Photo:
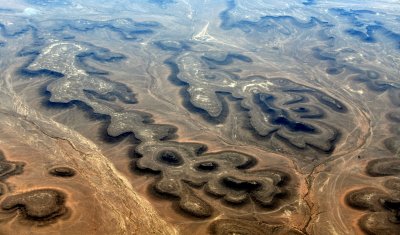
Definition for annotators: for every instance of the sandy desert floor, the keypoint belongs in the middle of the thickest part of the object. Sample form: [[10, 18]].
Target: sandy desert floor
[[199, 117]]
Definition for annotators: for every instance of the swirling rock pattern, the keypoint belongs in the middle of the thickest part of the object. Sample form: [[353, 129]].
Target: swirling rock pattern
[[42, 205], [96, 92], [182, 165], [277, 107], [274, 76], [311, 82], [376, 83], [38, 205], [235, 16], [383, 208], [223, 174], [126, 28], [383, 205], [13, 30], [364, 30]]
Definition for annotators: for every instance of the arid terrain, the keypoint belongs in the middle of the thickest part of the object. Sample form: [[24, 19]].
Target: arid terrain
[[199, 117]]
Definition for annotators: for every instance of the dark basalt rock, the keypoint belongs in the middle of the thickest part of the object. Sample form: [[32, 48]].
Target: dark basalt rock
[[378, 224], [226, 175], [223, 174], [393, 184], [126, 28], [62, 172], [366, 199], [169, 45], [276, 107], [37, 205], [384, 167], [8, 168], [237, 184], [194, 205], [170, 158], [392, 205], [264, 23], [383, 208], [364, 30], [207, 166], [375, 83]]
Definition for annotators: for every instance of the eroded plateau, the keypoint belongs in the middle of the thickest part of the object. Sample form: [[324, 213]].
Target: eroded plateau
[[200, 117]]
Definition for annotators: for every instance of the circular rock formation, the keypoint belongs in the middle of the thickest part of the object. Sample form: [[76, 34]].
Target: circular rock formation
[[62, 172], [278, 110], [224, 175], [43, 205], [170, 158]]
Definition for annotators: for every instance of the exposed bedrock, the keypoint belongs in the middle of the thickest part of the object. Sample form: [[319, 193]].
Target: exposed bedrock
[[126, 28], [226, 175], [367, 31], [299, 115], [382, 207], [182, 166], [379, 84], [384, 167], [246, 227], [62, 171], [97, 92], [378, 224], [8, 168], [304, 116], [42, 205]]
